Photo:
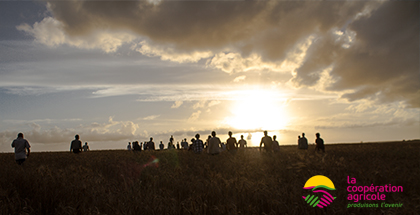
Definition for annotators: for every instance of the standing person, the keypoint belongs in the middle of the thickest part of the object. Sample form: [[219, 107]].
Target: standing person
[[86, 147], [177, 145], [231, 143], [214, 144], [303, 142], [197, 145], [129, 146], [267, 141], [242, 143], [22, 149], [144, 145], [136, 146], [184, 144], [161, 145], [299, 142], [319, 143], [151, 144], [76, 144], [276, 145]]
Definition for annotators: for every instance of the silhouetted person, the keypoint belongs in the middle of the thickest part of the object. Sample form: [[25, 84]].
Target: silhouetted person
[[151, 144], [214, 144], [184, 144], [319, 143], [171, 139], [242, 143], [86, 147], [177, 145], [144, 145], [76, 144], [276, 145], [197, 145], [129, 146], [299, 142], [303, 142], [22, 149], [231, 143], [161, 145], [136, 146], [267, 141]]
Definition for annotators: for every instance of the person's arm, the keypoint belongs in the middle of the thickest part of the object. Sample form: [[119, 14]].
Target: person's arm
[[71, 146], [261, 143], [29, 152]]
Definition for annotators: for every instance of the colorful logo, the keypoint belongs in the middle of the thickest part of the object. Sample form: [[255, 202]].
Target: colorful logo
[[319, 185]]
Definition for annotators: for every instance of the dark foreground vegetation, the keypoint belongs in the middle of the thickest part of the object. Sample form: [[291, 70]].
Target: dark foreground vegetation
[[180, 182]]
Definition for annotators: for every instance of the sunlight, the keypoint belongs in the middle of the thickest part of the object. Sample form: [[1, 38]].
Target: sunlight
[[259, 109]]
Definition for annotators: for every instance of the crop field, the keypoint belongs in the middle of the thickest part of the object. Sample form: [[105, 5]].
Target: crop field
[[181, 182]]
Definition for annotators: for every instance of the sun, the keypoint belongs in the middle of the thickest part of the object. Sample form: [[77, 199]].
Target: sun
[[259, 109], [319, 180]]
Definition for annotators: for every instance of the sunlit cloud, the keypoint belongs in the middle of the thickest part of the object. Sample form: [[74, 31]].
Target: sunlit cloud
[[194, 116], [152, 117], [177, 104], [51, 32]]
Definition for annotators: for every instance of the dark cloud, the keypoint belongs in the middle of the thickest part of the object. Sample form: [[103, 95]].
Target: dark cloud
[[379, 60], [383, 62]]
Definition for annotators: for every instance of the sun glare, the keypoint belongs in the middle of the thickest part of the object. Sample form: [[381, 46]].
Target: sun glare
[[259, 109]]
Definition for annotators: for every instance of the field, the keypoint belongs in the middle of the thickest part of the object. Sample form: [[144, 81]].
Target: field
[[180, 182]]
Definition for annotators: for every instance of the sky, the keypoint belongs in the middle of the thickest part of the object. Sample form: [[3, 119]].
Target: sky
[[121, 71]]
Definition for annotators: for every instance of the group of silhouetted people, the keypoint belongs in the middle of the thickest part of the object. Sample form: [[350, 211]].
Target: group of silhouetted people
[[319, 142], [212, 145], [76, 145]]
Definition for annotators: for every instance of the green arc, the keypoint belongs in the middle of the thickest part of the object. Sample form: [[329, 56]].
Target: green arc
[[322, 186]]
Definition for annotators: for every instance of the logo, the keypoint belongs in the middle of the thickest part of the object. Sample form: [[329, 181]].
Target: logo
[[319, 186]]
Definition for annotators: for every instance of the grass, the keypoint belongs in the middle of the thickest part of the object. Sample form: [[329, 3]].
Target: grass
[[122, 182]]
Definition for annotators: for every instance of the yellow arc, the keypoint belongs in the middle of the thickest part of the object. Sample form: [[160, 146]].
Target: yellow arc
[[319, 180]]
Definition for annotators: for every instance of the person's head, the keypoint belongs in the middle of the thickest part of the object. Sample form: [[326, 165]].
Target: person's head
[[303, 134], [242, 136], [230, 134], [185, 139], [213, 133], [192, 140], [20, 135], [151, 138], [209, 137], [317, 135], [197, 136], [265, 133], [274, 137], [76, 137], [161, 142], [298, 137], [85, 143], [129, 143]]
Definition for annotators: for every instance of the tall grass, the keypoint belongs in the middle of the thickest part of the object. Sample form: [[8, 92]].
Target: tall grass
[[122, 182]]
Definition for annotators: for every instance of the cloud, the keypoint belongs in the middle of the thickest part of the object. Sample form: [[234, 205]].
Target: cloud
[[239, 78], [169, 53], [152, 117], [194, 116], [370, 49], [51, 32], [177, 104]]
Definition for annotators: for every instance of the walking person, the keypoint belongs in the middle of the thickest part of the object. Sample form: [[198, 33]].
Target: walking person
[[76, 145], [267, 141], [22, 149], [214, 144], [86, 147], [319, 143], [231, 143], [242, 143], [276, 145], [303, 142], [198, 145]]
